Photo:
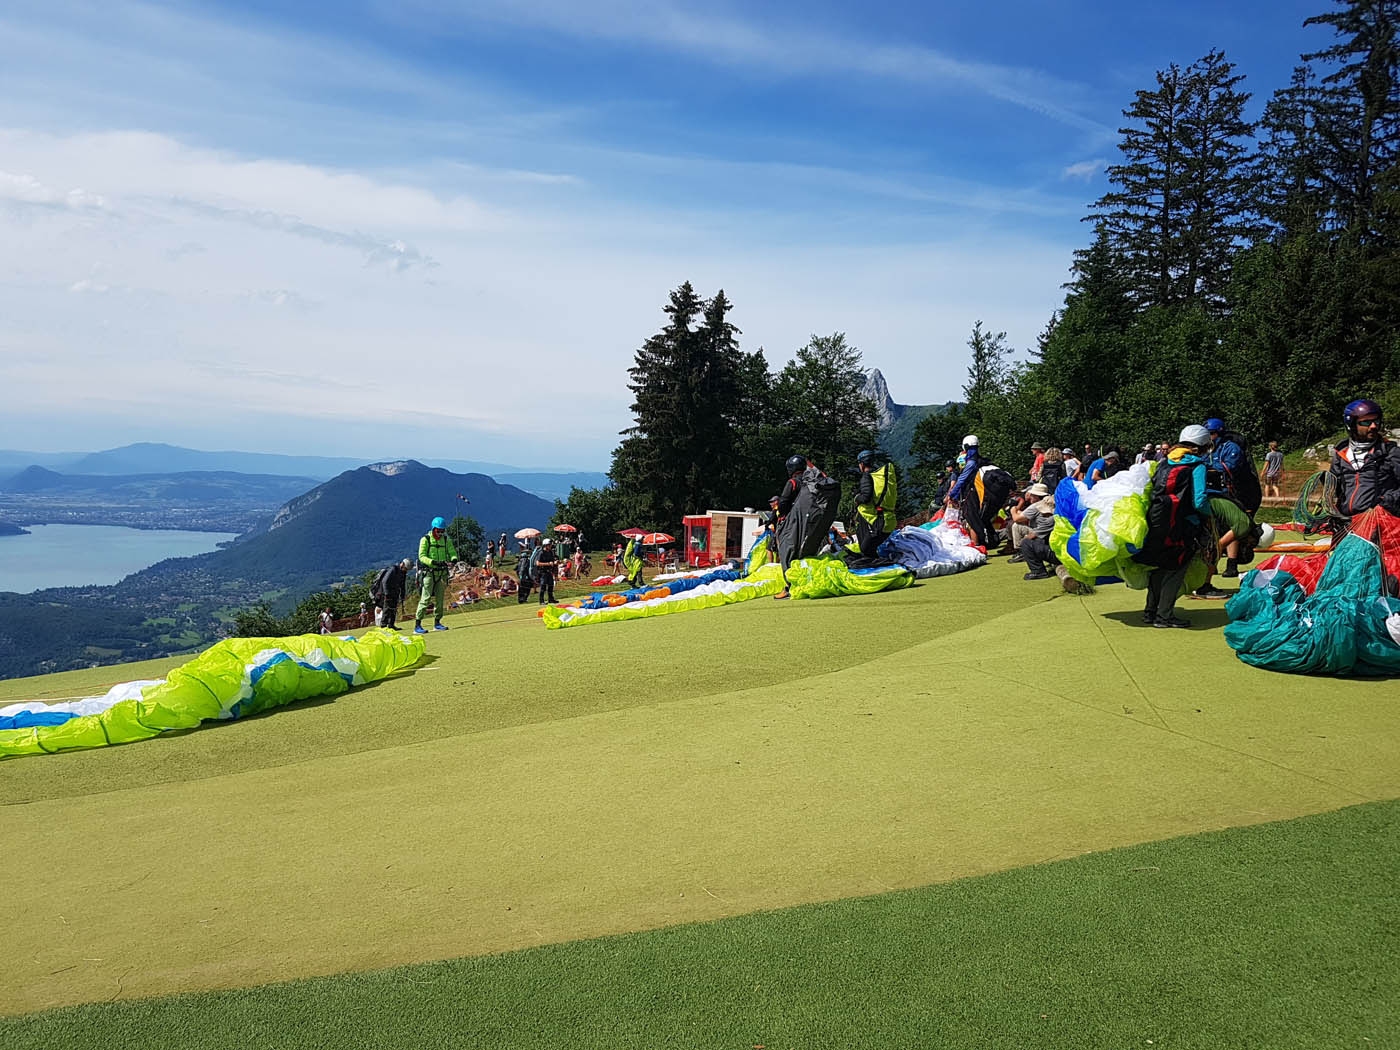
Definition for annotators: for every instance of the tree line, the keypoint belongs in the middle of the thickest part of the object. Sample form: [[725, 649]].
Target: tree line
[[713, 424], [1238, 269]]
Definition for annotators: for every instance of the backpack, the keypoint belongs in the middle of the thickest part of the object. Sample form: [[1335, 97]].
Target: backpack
[[1243, 483], [1171, 535], [378, 588]]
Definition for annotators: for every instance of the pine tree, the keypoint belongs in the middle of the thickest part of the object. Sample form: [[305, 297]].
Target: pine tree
[[1286, 173], [1215, 192], [1358, 107], [1181, 200], [1142, 216]]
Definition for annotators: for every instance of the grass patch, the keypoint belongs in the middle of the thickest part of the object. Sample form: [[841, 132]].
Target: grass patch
[[1278, 935]]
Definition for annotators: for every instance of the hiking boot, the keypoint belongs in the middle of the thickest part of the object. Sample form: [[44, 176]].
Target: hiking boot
[[439, 626], [1232, 569], [780, 597], [1149, 617], [1211, 592], [1170, 621], [1036, 576], [418, 628], [1016, 558]]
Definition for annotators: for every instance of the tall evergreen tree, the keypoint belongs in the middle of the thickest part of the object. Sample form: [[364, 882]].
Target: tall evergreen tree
[[1180, 202], [1358, 107], [1216, 204], [1286, 173], [1142, 214], [683, 380]]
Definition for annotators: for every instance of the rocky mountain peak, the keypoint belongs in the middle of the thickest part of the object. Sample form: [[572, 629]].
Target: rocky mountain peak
[[879, 392], [396, 467]]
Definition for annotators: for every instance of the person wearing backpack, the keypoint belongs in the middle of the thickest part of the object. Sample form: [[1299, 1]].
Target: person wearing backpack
[[387, 591], [1230, 476], [435, 557], [1177, 511], [525, 570]]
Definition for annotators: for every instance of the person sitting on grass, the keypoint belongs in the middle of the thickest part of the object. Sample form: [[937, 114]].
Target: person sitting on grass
[[508, 586], [1035, 512], [1177, 514]]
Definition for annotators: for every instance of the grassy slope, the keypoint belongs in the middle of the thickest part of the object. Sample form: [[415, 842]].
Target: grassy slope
[[1279, 935], [535, 786]]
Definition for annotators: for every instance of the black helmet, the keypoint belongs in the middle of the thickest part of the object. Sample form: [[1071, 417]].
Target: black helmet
[[866, 457], [796, 463], [1358, 408]]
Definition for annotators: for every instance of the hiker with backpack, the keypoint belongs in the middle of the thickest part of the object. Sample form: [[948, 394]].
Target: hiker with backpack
[[1232, 483], [387, 590], [1178, 513]]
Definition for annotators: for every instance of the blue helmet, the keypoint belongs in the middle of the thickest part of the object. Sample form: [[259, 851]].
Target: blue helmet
[[867, 456], [438, 523], [1362, 406], [1215, 424]]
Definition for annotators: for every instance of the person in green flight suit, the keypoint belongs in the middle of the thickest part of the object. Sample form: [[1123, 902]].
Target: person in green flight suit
[[435, 557], [632, 563], [875, 501]]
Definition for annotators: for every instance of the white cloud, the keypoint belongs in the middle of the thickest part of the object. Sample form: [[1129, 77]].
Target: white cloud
[[245, 295], [1084, 169]]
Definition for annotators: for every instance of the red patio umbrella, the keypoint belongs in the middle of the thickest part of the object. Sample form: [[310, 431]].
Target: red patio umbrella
[[653, 539], [565, 528], [633, 534]]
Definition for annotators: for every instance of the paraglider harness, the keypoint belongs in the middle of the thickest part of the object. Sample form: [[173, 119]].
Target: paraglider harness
[[1242, 484], [1171, 538]]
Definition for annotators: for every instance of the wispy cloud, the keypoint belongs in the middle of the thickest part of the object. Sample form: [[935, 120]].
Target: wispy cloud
[[1084, 169], [792, 49]]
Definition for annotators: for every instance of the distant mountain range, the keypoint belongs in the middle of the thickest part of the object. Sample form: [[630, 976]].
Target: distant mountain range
[[216, 501], [145, 459], [897, 422]]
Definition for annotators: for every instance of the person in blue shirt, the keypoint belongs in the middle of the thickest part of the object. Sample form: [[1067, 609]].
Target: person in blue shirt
[[1103, 467]]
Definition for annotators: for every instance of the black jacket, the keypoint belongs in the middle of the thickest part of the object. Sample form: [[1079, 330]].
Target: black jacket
[[1376, 483]]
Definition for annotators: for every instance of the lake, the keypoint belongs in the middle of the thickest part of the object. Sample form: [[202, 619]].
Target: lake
[[78, 555]]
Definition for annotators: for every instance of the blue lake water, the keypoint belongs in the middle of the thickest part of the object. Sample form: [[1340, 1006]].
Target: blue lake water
[[77, 555]]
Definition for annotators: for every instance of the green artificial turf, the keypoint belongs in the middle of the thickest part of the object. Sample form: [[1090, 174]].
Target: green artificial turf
[[529, 787], [1278, 935]]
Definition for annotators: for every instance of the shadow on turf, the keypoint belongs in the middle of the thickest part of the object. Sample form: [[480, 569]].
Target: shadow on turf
[[1211, 618]]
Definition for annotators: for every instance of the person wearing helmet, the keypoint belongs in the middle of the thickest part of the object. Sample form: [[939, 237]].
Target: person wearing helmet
[[796, 466], [969, 462], [632, 563], [875, 503], [435, 557], [1365, 468], [546, 561], [1177, 512]]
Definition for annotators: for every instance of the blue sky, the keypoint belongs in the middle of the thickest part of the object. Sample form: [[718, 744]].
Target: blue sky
[[444, 226]]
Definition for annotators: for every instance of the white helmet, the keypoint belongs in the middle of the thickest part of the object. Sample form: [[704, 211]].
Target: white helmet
[[970, 441], [1196, 435]]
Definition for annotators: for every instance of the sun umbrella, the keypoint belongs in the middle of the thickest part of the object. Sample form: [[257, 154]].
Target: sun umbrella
[[633, 534], [565, 528], [527, 534], [652, 539]]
